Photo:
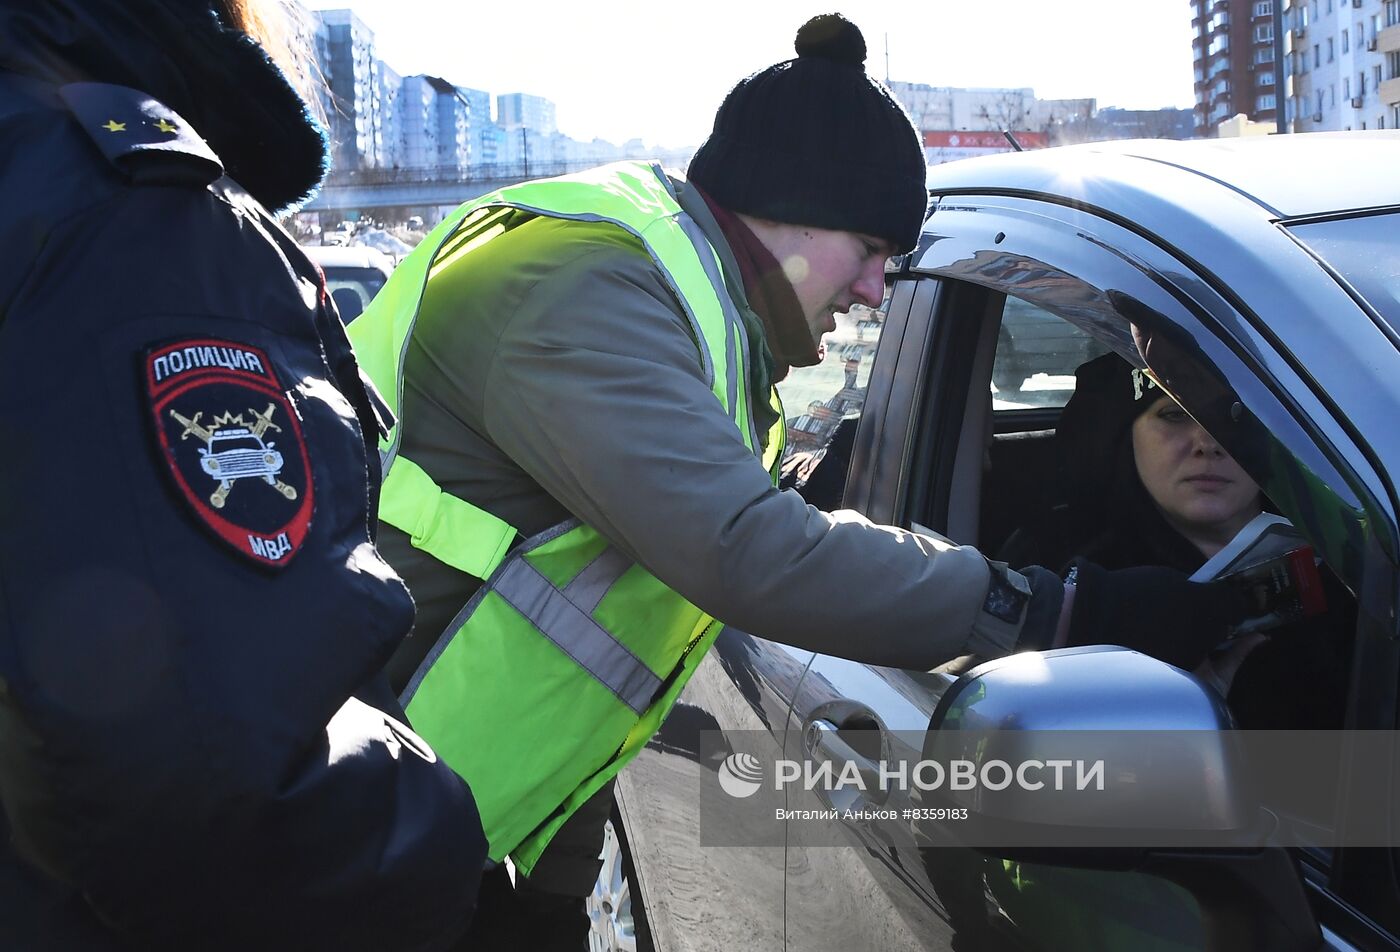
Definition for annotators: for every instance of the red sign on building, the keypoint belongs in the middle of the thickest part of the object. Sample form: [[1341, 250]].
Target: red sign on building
[[940, 146], [983, 140]]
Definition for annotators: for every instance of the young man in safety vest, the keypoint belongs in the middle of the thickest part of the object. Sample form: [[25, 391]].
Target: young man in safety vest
[[583, 371]]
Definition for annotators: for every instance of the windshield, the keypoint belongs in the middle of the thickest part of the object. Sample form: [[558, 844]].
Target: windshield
[[1366, 252]]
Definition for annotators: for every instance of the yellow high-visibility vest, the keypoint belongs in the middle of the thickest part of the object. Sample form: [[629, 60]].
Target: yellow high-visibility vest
[[566, 660]]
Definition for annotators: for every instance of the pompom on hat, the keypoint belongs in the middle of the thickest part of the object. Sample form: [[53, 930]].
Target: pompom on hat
[[815, 141]]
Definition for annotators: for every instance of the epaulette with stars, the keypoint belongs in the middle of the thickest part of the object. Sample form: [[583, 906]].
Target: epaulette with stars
[[145, 139]]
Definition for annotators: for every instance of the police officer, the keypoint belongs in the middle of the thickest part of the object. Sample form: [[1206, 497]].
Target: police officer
[[197, 749]]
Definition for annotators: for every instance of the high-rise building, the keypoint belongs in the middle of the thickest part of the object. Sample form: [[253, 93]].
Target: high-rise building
[[390, 117], [435, 119], [486, 136], [355, 108], [1343, 60], [535, 113], [378, 119], [418, 144], [1385, 37], [1298, 65], [1236, 58]]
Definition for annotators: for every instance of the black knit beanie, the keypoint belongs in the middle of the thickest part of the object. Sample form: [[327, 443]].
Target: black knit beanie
[[1109, 394], [815, 141], [1114, 391]]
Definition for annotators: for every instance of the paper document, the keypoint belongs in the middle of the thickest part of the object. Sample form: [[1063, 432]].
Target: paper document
[[1272, 565], [1266, 537]]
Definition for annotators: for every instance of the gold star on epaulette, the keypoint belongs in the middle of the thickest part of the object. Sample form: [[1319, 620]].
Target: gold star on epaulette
[[113, 125], [164, 126]]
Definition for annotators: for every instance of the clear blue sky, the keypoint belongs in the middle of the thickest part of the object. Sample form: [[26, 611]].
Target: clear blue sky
[[619, 69]]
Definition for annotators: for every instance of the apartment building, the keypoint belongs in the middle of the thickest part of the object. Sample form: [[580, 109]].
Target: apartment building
[[1300, 65], [487, 136], [436, 122], [1236, 56], [1386, 38], [357, 86], [1344, 64], [535, 113]]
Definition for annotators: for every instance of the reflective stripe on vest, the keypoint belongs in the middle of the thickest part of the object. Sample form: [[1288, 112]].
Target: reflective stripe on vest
[[608, 621], [575, 632]]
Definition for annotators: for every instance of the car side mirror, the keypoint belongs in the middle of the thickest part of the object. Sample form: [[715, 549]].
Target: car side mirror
[[1092, 705], [1155, 783]]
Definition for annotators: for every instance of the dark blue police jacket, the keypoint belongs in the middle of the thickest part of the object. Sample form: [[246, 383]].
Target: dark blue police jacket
[[197, 747]]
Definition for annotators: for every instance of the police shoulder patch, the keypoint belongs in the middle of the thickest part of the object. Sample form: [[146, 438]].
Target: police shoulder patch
[[147, 140], [233, 444]]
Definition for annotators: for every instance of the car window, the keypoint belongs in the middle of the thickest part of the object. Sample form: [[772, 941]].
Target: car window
[[822, 404], [816, 399], [1037, 353], [1088, 500], [1299, 680]]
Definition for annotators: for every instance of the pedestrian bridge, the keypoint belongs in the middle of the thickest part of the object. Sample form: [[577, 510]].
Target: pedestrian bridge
[[362, 189]]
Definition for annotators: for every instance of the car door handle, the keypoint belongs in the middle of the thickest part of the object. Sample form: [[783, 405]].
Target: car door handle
[[825, 744]]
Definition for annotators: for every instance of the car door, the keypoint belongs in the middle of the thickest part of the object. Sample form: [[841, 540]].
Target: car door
[[696, 898], [877, 883], [697, 895], [873, 883], [919, 460]]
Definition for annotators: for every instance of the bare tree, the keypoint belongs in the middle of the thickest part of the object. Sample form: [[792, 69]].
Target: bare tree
[[1006, 112]]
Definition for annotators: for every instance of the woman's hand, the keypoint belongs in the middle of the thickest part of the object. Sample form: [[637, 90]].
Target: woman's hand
[[1220, 668]]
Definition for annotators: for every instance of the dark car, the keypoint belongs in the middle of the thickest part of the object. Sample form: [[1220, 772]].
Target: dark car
[[1266, 271]]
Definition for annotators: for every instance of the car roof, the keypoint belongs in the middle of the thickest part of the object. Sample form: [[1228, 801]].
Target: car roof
[[1288, 176], [352, 256]]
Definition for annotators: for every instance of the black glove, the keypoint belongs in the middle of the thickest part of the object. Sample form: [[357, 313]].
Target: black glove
[[1043, 613], [1151, 609]]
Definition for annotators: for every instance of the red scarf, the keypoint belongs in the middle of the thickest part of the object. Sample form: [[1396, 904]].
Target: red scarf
[[770, 294]]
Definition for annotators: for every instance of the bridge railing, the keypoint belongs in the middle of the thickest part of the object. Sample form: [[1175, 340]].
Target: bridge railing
[[488, 172], [451, 173]]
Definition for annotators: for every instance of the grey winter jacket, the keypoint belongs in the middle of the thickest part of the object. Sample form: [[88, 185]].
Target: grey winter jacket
[[552, 373]]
